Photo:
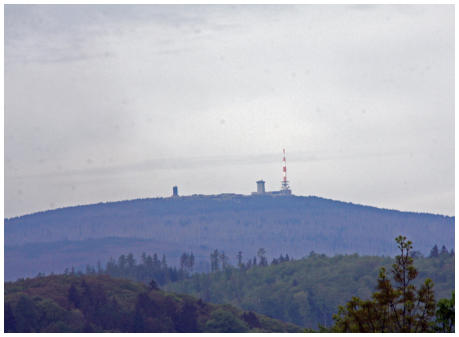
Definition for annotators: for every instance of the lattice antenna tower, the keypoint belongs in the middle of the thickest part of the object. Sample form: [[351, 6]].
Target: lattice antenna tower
[[285, 185]]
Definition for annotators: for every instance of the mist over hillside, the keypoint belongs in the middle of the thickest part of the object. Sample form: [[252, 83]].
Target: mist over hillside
[[293, 225], [98, 303]]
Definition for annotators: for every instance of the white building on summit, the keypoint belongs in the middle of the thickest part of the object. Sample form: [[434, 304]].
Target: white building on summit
[[260, 187]]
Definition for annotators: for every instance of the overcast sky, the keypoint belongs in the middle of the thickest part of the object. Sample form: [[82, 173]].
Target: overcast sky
[[110, 103]]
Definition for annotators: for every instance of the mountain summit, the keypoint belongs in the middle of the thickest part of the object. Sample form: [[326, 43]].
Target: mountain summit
[[294, 225]]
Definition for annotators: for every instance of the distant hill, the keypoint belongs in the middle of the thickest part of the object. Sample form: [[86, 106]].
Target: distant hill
[[295, 225], [70, 303], [307, 292]]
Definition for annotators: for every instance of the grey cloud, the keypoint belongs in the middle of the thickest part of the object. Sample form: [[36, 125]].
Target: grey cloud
[[166, 93], [186, 163]]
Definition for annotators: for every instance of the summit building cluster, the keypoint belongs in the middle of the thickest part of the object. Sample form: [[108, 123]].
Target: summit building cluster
[[261, 190], [285, 188]]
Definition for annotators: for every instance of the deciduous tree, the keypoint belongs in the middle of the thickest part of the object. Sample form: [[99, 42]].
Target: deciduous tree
[[445, 314], [10, 320]]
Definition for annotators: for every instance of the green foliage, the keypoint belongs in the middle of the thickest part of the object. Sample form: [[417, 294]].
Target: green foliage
[[225, 321], [445, 314], [399, 308], [307, 291], [153, 285], [99, 303], [10, 320], [26, 315]]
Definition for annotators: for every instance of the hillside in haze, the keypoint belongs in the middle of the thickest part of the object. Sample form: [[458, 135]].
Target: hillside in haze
[[70, 303], [295, 225], [307, 292]]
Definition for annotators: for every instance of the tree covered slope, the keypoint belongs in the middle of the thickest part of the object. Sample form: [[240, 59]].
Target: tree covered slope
[[291, 225], [308, 292], [70, 303]]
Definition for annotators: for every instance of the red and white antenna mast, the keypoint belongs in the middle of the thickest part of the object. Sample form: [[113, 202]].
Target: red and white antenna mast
[[285, 186]]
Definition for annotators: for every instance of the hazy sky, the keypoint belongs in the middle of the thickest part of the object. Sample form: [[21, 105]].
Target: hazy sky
[[120, 102]]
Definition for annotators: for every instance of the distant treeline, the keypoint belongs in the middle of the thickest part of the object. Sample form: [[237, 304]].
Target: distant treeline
[[151, 267]]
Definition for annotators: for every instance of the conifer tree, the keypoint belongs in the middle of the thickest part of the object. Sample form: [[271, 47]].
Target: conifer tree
[[183, 260], [444, 251], [214, 260], [191, 262], [73, 296], [239, 259], [434, 251], [163, 262], [392, 308], [224, 260], [262, 258]]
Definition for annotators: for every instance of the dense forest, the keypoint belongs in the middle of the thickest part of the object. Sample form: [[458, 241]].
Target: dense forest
[[308, 291], [53, 240], [99, 303]]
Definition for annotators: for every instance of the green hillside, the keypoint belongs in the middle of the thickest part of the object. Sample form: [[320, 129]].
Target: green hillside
[[71, 303], [307, 292]]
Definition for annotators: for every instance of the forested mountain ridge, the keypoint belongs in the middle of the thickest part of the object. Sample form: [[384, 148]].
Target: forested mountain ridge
[[293, 225], [71, 303], [308, 291]]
